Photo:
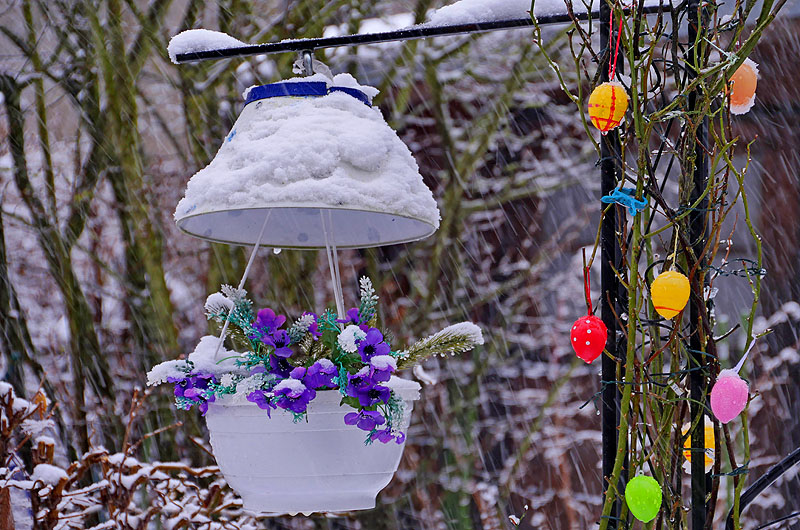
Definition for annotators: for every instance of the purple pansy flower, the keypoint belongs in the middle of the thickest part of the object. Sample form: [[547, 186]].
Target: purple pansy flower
[[386, 436], [280, 341], [373, 345], [268, 321], [193, 388], [313, 328], [259, 397], [362, 387], [321, 374], [381, 367], [366, 420], [292, 394], [279, 366], [351, 317]]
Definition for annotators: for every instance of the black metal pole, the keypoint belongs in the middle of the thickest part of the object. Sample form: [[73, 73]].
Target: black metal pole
[[698, 234], [413, 32], [610, 261]]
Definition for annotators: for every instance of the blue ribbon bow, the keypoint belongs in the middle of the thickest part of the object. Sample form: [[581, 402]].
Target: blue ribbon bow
[[625, 197]]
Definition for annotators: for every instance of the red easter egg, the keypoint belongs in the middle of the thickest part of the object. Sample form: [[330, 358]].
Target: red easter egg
[[588, 337]]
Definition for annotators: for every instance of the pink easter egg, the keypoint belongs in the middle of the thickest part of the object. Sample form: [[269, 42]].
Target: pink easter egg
[[729, 396]]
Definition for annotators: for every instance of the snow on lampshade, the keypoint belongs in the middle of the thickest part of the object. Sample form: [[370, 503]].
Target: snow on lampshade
[[669, 293], [643, 496], [607, 105], [743, 87], [312, 163]]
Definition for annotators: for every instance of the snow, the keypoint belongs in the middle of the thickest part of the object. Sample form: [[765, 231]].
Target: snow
[[295, 386], [48, 474], [200, 40], [325, 363], [349, 158], [469, 329], [218, 302], [468, 11], [206, 358], [474, 11], [384, 362], [163, 371], [349, 336]]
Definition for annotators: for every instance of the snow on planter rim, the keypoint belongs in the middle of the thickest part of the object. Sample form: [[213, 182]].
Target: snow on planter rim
[[303, 160]]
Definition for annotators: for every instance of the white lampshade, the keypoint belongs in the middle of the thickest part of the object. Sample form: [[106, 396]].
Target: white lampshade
[[317, 161]]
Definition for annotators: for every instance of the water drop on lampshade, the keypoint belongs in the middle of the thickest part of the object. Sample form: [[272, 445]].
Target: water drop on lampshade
[[588, 337], [743, 87], [607, 105], [729, 395], [643, 496], [669, 293]]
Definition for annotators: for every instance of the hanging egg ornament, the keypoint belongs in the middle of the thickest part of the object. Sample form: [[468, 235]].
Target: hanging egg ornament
[[669, 293], [743, 87], [710, 441], [588, 337], [729, 395], [607, 105], [643, 496]]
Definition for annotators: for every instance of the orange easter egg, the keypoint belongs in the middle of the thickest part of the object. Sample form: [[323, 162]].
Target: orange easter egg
[[743, 87]]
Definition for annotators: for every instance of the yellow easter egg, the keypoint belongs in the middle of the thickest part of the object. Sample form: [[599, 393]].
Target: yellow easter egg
[[669, 293], [607, 105], [709, 443]]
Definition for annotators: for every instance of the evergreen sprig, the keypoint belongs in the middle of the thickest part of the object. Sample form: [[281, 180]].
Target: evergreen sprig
[[454, 339]]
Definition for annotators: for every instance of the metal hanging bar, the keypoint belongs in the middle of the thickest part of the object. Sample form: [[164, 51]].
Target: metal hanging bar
[[411, 33]]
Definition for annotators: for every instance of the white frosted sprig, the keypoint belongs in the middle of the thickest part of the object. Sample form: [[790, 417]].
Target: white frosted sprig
[[458, 338]]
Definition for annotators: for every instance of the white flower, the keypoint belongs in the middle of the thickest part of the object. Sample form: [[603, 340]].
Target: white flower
[[349, 337], [226, 380]]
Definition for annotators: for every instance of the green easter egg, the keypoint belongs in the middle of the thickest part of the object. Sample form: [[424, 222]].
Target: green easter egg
[[643, 495]]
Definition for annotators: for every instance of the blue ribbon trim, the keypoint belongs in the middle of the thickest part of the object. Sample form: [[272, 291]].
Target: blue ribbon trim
[[301, 89]]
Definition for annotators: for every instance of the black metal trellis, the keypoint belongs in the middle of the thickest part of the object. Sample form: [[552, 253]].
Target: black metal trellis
[[612, 301], [763, 482]]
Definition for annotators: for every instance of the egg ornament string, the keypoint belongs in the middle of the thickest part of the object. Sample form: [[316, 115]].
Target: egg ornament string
[[730, 393], [608, 101], [589, 334]]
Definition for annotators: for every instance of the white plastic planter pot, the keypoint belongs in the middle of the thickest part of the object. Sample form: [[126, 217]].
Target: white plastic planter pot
[[322, 465]]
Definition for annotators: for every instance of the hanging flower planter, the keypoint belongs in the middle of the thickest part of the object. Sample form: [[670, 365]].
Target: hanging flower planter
[[338, 440], [320, 464]]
